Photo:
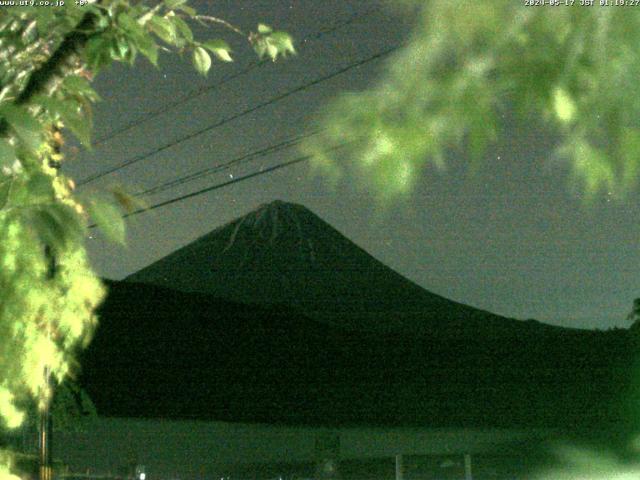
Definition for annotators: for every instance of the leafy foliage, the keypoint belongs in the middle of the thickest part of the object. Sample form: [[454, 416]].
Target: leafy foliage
[[269, 43], [574, 67], [48, 291]]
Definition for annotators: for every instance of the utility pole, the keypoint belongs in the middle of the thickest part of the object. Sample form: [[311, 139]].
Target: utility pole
[[399, 467], [467, 467], [44, 434]]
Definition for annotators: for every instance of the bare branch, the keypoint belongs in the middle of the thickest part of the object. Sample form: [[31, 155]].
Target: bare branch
[[211, 19]]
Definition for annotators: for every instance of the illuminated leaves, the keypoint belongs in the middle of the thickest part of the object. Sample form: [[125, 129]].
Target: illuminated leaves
[[75, 85], [55, 225], [219, 48], [47, 313], [11, 415], [38, 315], [97, 53], [201, 60], [25, 126], [182, 29], [268, 43], [108, 218], [564, 106], [164, 28], [444, 90], [71, 114]]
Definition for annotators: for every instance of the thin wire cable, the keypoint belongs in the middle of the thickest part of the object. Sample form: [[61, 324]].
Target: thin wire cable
[[217, 186], [207, 88], [288, 143], [226, 120]]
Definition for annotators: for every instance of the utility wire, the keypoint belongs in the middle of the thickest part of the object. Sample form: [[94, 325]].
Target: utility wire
[[165, 108], [288, 143], [207, 88], [271, 101], [217, 186]]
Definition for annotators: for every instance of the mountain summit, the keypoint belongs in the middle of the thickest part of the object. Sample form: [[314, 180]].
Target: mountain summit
[[282, 253]]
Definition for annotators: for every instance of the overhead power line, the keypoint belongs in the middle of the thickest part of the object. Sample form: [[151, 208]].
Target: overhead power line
[[217, 186], [288, 143], [271, 101], [208, 88]]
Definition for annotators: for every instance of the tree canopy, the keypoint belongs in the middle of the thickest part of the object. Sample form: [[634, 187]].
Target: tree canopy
[[572, 66], [48, 57]]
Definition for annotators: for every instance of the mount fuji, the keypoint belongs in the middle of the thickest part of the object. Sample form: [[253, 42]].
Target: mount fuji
[[277, 317], [283, 254]]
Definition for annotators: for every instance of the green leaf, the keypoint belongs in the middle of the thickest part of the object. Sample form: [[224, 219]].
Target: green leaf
[[129, 25], [148, 48], [78, 85], [108, 218], [48, 229], [164, 28], [56, 225], [283, 42], [69, 112], [139, 37], [102, 21], [271, 50], [144, 19], [79, 124], [219, 48], [201, 60], [171, 4], [127, 51], [5, 188], [18, 194], [260, 46], [188, 10], [97, 53], [264, 29], [27, 128], [182, 28], [7, 154], [120, 48], [30, 33], [40, 188]]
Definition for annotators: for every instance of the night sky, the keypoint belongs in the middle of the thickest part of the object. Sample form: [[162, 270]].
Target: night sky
[[515, 239]]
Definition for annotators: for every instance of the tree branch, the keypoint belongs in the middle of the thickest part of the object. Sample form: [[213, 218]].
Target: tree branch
[[211, 19], [69, 46], [40, 78]]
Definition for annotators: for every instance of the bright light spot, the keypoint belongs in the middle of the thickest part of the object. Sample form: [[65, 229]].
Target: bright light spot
[[143, 476], [5, 474], [231, 175], [564, 106], [12, 416], [381, 147]]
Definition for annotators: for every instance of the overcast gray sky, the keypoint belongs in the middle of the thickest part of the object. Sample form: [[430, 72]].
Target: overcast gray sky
[[514, 240]]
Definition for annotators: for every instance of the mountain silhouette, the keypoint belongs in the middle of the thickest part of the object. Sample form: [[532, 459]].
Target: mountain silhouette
[[276, 317], [283, 254], [159, 353]]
